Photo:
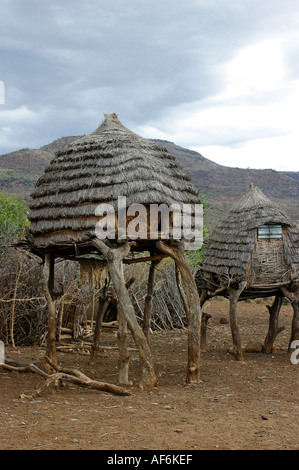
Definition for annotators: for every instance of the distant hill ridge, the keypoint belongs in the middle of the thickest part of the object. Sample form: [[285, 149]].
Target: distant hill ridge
[[220, 185]]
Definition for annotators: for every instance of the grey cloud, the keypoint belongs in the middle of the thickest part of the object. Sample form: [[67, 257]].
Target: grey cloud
[[70, 61]]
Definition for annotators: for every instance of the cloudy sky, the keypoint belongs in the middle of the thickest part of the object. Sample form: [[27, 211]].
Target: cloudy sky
[[217, 76]]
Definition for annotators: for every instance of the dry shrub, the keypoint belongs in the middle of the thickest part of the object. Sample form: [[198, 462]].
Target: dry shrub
[[22, 304], [23, 308]]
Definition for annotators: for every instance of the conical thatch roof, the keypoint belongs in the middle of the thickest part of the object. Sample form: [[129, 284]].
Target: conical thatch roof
[[112, 161], [231, 245]]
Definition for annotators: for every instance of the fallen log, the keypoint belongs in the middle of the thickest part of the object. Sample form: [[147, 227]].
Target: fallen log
[[68, 375]]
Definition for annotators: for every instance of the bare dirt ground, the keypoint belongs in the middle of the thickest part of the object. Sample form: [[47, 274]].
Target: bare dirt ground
[[238, 405]]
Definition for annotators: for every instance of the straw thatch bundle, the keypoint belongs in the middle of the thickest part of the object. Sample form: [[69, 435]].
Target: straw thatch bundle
[[112, 161], [231, 251]]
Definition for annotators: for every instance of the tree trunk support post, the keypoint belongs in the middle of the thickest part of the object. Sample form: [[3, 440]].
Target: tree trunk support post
[[191, 302], [51, 300], [103, 306], [295, 324], [273, 325], [293, 297], [234, 294], [203, 330], [148, 303], [114, 257], [124, 356], [204, 296]]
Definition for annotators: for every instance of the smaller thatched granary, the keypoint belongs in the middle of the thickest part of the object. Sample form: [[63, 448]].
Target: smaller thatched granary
[[82, 184], [253, 252]]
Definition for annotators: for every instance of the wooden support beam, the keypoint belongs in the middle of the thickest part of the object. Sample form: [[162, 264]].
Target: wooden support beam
[[203, 330], [273, 330], [191, 302], [114, 257], [293, 296], [103, 306], [144, 259], [234, 294], [148, 303], [124, 356], [204, 297], [295, 324], [50, 297]]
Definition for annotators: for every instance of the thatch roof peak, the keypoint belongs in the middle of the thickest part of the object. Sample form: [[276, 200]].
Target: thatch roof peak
[[254, 209], [254, 199], [110, 126], [110, 123]]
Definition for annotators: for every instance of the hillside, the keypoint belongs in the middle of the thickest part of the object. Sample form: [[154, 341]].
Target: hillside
[[223, 185], [220, 185]]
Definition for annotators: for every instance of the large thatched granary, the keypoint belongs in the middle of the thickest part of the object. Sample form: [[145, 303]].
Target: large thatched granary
[[110, 162], [67, 205], [253, 252]]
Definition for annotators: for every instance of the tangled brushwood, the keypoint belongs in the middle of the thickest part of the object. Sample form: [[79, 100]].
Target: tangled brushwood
[[22, 303], [23, 307]]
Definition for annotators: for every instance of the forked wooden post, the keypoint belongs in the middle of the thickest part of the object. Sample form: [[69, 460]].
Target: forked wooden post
[[292, 295], [191, 302], [103, 306], [50, 297], [234, 294], [203, 330], [124, 356], [204, 296], [295, 323], [274, 330], [148, 303], [114, 257]]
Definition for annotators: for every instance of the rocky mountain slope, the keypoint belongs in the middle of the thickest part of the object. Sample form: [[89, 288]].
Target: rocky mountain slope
[[220, 185]]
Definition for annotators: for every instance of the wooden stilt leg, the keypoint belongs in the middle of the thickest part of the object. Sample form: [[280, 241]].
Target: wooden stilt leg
[[103, 306], [148, 303], [204, 296], [114, 258], [234, 295], [49, 294], [191, 302], [124, 356], [293, 296], [295, 324], [273, 325], [203, 330]]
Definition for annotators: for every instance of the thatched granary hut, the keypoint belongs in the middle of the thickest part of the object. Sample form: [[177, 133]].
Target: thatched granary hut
[[253, 252], [112, 161], [92, 173]]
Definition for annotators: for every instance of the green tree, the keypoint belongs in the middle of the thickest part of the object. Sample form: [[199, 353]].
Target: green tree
[[13, 219]]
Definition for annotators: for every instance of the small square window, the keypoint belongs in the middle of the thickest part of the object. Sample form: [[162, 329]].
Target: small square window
[[269, 232]]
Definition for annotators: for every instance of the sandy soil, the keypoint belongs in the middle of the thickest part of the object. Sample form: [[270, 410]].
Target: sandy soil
[[238, 405]]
